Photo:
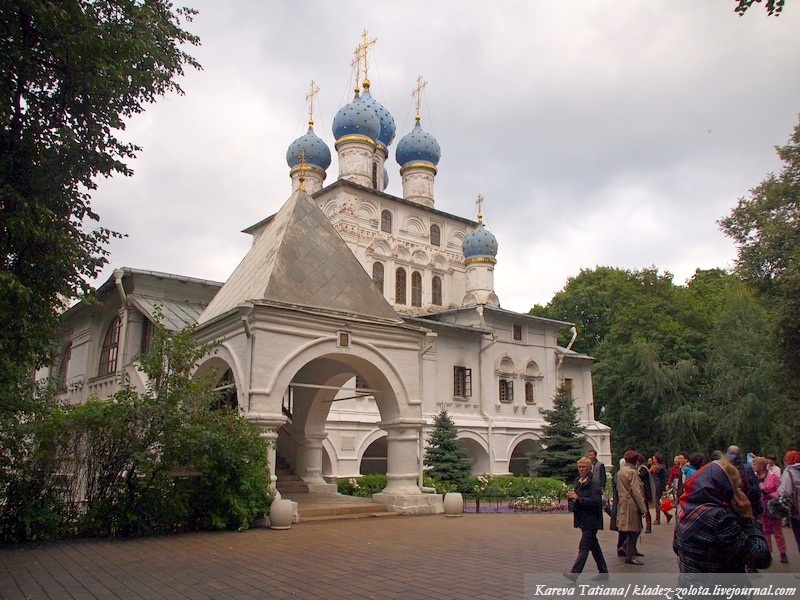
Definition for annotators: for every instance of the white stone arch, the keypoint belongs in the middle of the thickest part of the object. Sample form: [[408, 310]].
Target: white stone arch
[[330, 208], [477, 449], [361, 359], [365, 210], [380, 248], [330, 460], [531, 368], [420, 258], [402, 253], [439, 262], [518, 448], [456, 239], [371, 439], [504, 364], [415, 226]]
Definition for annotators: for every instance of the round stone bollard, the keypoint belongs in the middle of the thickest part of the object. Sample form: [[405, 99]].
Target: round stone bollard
[[453, 504], [280, 514]]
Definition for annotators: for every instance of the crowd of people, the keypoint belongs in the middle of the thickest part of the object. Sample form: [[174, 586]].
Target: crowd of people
[[727, 510]]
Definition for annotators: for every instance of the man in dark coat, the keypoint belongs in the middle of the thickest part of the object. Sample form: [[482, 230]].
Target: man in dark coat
[[598, 470], [586, 503]]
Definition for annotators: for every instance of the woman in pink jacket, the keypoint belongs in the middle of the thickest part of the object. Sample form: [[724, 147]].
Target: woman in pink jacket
[[769, 489]]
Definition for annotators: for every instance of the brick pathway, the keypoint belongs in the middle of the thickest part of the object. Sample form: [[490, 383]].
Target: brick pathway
[[483, 556]]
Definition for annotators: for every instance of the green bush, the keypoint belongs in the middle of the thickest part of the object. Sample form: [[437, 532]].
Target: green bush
[[363, 486], [137, 464], [488, 486]]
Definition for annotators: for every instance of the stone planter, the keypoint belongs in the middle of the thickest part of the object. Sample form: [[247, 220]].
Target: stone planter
[[453, 504], [280, 514]]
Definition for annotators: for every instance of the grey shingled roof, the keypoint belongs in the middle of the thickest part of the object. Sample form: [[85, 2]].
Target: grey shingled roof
[[300, 259], [175, 314]]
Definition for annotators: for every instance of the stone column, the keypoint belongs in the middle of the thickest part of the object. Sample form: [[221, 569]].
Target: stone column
[[309, 463], [402, 494], [402, 465], [268, 430]]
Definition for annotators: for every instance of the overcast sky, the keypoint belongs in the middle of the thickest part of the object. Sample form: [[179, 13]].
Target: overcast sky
[[611, 133]]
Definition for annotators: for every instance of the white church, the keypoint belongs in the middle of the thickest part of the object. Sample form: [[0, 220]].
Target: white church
[[355, 317]]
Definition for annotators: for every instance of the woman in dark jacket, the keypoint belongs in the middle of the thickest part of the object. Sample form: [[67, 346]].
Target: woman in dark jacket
[[715, 530], [586, 504]]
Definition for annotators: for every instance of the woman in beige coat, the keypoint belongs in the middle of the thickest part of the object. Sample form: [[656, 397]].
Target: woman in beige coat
[[631, 505]]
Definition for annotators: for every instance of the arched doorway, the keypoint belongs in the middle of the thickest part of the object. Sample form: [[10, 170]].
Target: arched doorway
[[521, 462], [374, 459]]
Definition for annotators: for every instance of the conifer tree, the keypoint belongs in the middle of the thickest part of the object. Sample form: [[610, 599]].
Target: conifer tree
[[445, 457], [563, 438]]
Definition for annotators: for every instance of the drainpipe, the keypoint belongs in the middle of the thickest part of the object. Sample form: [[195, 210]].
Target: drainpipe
[[490, 423], [118, 274], [561, 358]]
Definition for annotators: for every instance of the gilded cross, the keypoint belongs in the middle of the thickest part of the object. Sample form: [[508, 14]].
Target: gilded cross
[[479, 204], [417, 93], [310, 97], [361, 56]]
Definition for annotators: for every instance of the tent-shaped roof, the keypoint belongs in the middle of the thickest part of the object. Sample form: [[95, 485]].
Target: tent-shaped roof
[[300, 259]]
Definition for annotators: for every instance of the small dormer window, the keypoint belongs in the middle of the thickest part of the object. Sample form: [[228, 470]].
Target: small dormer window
[[516, 332]]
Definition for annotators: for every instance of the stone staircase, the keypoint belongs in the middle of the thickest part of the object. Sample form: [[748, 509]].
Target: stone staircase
[[323, 506]]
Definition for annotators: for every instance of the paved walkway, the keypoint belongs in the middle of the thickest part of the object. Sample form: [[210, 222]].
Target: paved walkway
[[477, 556]]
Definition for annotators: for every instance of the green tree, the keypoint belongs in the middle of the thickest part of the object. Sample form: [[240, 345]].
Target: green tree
[[562, 438], [746, 400], [773, 7], [672, 369], [766, 228], [161, 461], [71, 73], [445, 457]]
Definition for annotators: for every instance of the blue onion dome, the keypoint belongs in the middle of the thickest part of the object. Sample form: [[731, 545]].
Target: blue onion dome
[[418, 146], [479, 243], [356, 118], [309, 149], [388, 128]]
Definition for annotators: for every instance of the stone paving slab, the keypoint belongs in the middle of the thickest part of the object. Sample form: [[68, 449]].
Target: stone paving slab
[[473, 556]]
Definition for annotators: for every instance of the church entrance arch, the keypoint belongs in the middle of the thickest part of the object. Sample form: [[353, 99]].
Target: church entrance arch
[[321, 374], [521, 462]]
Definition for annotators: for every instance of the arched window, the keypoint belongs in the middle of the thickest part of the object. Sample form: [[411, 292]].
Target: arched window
[[529, 399], [147, 337], [400, 286], [386, 221], [108, 356], [416, 289], [436, 235], [63, 368], [226, 395], [377, 275], [436, 290]]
